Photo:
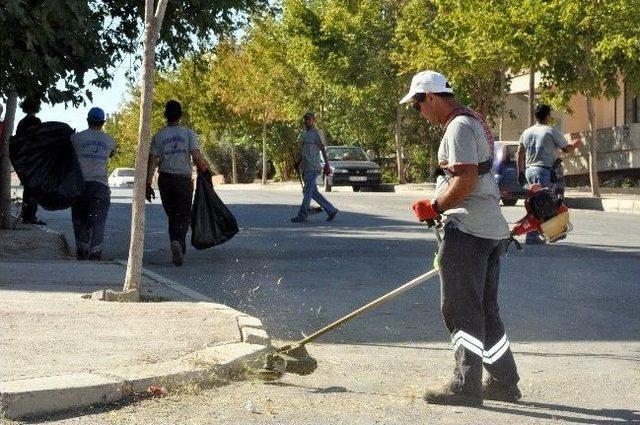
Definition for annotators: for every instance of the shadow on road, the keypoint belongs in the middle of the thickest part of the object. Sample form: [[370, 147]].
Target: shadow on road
[[597, 416]]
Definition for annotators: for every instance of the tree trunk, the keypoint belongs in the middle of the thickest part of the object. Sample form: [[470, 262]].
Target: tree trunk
[[503, 100], [6, 221], [532, 95], [593, 153], [264, 148], [136, 246], [234, 165], [399, 150]]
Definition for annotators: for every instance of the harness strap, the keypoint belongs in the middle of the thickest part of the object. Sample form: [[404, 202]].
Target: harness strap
[[483, 168]]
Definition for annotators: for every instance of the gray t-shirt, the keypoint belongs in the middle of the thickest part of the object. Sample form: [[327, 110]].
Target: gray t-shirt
[[93, 149], [173, 145], [540, 142], [310, 142], [464, 142]]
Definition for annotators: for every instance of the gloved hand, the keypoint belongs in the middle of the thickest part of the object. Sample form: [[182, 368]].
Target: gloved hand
[[522, 179], [425, 210], [327, 169], [150, 193]]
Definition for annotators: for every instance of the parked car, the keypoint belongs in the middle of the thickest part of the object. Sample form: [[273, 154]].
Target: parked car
[[350, 166], [505, 166], [121, 177]]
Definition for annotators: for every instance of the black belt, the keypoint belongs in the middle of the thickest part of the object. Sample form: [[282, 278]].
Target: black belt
[[483, 168]]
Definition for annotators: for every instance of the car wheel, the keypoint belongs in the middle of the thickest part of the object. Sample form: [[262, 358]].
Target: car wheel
[[327, 184], [509, 202], [356, 188]]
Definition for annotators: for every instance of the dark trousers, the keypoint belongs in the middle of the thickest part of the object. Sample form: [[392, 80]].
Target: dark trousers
[[29, 206], [176, 192], [89, 216], [469, 276]]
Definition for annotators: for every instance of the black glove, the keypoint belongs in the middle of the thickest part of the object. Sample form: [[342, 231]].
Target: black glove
[[522, 179], [150, 193]]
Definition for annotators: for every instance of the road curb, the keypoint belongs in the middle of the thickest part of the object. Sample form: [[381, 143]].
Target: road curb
[[625, 206], [39, 396], [63, 238], [188, 292]]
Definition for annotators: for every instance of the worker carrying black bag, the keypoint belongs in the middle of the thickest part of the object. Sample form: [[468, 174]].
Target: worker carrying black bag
[[211, 221], [44, 159]]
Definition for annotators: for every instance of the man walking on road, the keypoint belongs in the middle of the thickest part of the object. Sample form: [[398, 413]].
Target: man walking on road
[[311, 145], [475, 234], [30, 107], [89, 212], [537, 155], [172, 149]]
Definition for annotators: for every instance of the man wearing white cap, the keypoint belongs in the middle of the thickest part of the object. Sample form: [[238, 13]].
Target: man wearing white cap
[[475, 233]]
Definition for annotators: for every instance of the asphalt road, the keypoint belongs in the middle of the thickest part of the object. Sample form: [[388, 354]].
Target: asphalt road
[[571, 312], [297, 277]]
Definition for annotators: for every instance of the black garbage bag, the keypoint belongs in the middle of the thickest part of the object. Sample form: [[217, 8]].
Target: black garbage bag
[[211, 221], [46, 162]]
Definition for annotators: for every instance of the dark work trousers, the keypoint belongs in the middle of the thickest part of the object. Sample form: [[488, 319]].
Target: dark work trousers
[[89, 216], [469, 275], [29, 206], [176, 192]]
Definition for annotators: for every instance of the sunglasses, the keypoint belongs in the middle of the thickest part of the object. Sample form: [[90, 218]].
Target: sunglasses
[[417, 98]]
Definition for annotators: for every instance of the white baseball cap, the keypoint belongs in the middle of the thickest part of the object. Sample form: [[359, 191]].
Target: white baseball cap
[[427, 82]]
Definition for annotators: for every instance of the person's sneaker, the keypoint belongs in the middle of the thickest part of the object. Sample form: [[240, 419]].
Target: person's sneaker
[[332, 215], [176, 253], [493, 390], [34, 221], [298, 219], [445, 395], [538, 240], [95, 256], [82, 255]]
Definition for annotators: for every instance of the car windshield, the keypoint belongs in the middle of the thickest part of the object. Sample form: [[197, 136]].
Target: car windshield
[[512, 153], [128, 172], [350, 153]]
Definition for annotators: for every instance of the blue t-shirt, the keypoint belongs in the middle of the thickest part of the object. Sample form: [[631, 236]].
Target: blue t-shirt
[[173, 145]]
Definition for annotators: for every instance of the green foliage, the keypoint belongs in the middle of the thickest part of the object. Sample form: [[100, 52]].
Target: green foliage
[[56, 42], [350, 62], [247, 161]]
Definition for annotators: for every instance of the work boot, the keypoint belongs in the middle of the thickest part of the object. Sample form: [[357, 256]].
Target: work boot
[[177, 255], [82, 255], [494, 390], [447, 396]]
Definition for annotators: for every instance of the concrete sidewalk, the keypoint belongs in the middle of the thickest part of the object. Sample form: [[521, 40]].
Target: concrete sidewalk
[[60, 351]]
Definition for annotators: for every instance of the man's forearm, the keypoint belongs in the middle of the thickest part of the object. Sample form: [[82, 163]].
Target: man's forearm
[[199, 160], [520, 161], [460, 186], [151, 169]]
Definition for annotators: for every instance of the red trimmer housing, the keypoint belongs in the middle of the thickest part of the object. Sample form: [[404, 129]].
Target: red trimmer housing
[[545, 214]]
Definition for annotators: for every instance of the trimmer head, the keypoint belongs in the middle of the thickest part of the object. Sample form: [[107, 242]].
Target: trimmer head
[[297, 359], [288, 359]]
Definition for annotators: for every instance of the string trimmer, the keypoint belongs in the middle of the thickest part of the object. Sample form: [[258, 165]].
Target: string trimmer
[[294, 358]]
